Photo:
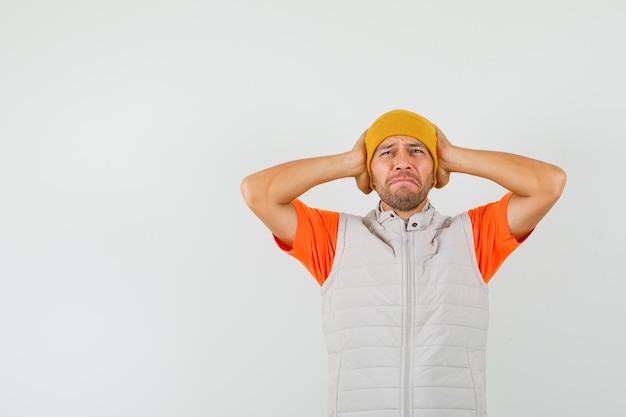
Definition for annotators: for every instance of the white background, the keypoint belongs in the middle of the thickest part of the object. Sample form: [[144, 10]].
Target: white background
[[135, 282]]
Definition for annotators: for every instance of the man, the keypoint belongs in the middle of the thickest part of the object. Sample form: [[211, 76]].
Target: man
[[404, 289]]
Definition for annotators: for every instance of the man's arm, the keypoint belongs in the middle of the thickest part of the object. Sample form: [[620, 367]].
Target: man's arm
[[536, 185], [269, 193]]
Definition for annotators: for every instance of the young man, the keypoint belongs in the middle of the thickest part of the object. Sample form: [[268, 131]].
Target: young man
[[404, 289]]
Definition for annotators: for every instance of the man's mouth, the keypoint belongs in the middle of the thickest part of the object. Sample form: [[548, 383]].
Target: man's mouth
[[404, 179]]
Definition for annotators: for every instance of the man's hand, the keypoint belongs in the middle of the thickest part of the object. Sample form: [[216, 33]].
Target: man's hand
[[443, 148], [363, 178]]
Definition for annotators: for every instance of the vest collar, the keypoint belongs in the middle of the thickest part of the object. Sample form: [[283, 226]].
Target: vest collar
[[417, 221]]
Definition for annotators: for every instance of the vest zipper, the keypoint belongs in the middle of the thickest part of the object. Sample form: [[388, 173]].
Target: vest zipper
[[408, 326]]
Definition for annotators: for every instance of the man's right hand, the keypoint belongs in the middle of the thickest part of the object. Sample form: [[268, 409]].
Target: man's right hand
[[363, 178]]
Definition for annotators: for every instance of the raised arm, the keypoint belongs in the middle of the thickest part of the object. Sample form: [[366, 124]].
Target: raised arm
[[269, 193], [536, 185]]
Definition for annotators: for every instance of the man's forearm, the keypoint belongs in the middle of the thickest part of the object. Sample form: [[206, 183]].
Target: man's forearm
[[523, 176], [283, 183]]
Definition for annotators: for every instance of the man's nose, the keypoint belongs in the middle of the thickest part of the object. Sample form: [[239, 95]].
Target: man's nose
[[401, 161]]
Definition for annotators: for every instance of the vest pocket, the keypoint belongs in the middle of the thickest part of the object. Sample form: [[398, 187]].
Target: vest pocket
[[478, 381]]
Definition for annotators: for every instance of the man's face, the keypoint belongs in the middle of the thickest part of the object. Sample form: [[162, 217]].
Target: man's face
[[402, 173]]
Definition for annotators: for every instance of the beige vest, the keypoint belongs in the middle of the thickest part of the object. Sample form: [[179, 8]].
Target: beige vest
[[405, 313]]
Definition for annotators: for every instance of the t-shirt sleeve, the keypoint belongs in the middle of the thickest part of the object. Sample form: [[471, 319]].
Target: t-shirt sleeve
[[493, 242], [315, 241]]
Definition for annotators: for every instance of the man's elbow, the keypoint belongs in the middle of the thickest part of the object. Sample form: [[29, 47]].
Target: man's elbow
[[247, 189], [557, 183], [550, 186]]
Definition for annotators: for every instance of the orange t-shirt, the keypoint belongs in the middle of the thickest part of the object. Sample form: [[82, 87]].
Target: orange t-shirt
[[316, 238]]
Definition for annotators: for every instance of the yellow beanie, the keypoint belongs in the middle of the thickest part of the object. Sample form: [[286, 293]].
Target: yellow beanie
[[401, 122]]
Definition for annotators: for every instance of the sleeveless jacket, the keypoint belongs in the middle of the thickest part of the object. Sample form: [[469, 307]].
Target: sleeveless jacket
[[405, 315]]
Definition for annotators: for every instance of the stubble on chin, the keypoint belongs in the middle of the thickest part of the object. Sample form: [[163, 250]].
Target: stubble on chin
[[404, 199]]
